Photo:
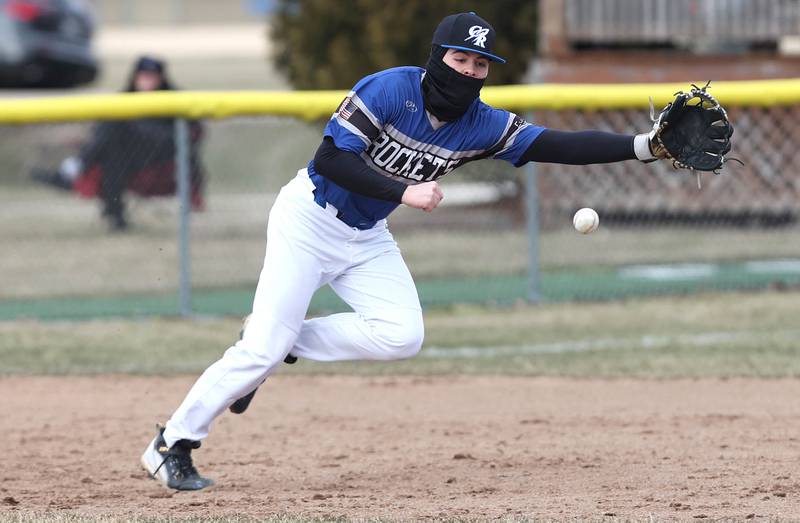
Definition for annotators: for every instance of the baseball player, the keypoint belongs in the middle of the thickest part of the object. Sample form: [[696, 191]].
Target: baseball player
[[394, 135]]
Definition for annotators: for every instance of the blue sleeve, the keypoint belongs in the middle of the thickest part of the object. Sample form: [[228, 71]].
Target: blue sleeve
[[517, 137], [362, 115]]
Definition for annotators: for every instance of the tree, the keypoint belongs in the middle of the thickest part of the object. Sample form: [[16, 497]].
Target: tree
[[326, 44]]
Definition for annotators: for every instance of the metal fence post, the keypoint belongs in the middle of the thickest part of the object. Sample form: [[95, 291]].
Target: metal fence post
[[182, 167], [532, 213]]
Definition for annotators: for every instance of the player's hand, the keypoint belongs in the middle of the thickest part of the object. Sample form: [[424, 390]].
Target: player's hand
[[425, 196]]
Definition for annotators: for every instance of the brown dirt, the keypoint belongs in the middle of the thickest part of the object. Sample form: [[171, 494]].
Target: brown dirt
[[408, 448]]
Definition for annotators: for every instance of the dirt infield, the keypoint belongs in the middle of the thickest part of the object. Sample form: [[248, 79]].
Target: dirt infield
[[409, 448]]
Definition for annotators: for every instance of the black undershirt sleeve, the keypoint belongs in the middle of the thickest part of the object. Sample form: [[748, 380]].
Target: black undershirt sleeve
[[579, 147], [347, 170]]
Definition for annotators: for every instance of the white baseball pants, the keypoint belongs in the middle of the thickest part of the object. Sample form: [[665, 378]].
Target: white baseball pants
[[308, 247]]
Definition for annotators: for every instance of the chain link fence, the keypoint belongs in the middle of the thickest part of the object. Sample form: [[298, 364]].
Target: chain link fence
[[659, 233], [762, 192]]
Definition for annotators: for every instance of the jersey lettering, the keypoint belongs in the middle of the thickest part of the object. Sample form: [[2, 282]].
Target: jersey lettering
[[397, 159], [401, 161], [385, 154]]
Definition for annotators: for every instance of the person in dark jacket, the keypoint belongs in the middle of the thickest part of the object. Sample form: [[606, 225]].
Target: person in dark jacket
[[136, 155]]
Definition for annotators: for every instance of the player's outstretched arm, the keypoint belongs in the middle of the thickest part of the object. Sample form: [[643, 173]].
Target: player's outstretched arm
[[581, 148], [693, 132]]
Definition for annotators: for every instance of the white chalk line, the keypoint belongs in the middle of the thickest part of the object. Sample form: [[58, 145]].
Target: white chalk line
[[649, 342]]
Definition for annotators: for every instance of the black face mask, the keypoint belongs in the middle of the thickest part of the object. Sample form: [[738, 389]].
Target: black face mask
[[447, 93]]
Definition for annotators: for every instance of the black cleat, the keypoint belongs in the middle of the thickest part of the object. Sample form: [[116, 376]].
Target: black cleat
[[173, 466], [240, 405]]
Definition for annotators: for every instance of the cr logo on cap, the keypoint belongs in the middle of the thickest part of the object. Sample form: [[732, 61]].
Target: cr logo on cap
[[478, 35]]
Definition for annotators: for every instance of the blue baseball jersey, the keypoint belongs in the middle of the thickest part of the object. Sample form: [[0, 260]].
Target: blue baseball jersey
[[383, 120]]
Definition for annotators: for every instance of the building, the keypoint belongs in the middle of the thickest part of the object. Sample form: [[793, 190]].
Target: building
[[650, 40]]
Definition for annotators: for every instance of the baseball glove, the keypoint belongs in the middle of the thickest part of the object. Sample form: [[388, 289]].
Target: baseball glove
[[695, 135]]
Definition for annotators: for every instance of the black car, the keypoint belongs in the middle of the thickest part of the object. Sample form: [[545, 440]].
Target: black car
[[46, 43]]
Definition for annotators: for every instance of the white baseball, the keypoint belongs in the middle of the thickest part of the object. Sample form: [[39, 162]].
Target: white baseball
[[586, 220]]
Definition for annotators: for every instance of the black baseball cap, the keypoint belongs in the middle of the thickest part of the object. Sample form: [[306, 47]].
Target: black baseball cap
[[149, 63], [467, 32]]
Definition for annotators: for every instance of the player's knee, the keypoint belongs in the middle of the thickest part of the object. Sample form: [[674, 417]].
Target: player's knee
[[404, 338], [261, 346]]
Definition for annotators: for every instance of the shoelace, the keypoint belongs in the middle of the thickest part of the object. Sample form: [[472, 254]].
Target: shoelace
[[183, 458]]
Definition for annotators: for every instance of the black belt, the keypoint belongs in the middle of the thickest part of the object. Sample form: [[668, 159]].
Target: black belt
[[356, 222]]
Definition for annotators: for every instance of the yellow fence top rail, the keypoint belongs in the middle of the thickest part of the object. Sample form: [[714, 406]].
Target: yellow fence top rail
[[314, 105]]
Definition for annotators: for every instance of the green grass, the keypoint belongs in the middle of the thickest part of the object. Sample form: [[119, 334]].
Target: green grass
[[435, 293], [734, 334]]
